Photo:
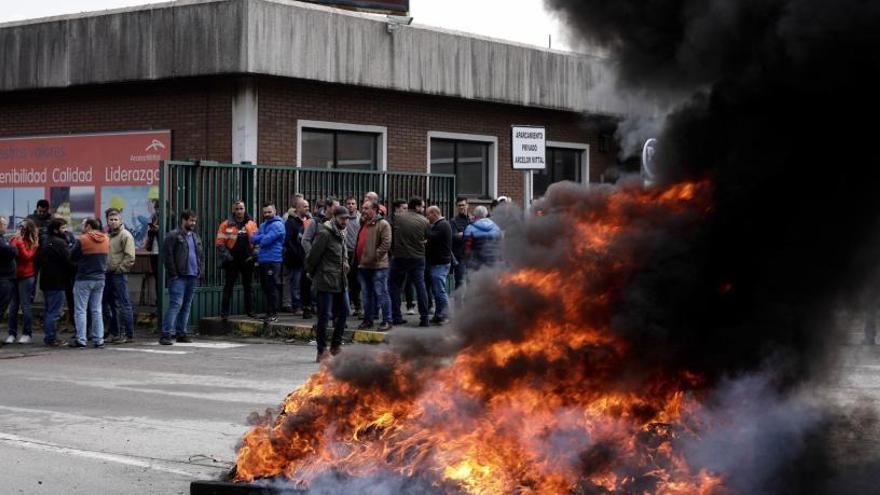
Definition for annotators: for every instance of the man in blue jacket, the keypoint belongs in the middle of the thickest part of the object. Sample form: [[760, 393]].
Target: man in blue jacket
[[270, 241], [482, 240]]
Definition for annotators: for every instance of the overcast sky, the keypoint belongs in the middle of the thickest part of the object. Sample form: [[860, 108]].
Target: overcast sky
[[525, 21]]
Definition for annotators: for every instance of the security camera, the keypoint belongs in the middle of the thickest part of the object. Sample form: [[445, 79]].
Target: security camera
[[395, 21], [405, 20]]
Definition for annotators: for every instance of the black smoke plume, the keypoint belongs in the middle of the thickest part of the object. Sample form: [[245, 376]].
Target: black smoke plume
[[782, 121]]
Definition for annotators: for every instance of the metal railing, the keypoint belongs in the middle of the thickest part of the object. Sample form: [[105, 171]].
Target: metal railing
[[279, 184], [209, 188]]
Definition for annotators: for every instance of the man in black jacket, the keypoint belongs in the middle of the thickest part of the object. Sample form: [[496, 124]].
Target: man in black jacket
[[41, 216], [438, 256], [56, 275], [8, 255], [184, 259], [459, 223]]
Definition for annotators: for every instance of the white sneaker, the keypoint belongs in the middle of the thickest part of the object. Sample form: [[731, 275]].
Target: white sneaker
[[10, 340], [24, 339]]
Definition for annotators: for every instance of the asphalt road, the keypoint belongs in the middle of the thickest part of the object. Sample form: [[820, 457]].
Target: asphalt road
[[134, 418]]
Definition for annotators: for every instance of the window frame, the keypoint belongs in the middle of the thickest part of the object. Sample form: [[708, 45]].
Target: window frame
[[318, 125], [583, 170], [492, 165]]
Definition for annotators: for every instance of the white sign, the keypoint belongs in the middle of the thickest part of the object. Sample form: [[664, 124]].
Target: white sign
[[529, 147]]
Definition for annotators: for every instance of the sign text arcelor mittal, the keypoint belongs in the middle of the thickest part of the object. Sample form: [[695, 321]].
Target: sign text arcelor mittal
[[528, 147]]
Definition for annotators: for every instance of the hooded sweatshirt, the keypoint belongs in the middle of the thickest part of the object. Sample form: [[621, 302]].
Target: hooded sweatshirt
[[270, 238], [483, 240], [90, 255]]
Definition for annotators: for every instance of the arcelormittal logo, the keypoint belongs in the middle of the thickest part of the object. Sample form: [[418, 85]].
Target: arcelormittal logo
[[156, 145]]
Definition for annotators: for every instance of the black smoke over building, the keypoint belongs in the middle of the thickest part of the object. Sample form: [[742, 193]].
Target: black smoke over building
[[781, 120]]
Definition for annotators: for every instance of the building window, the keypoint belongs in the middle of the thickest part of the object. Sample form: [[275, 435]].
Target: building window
[[562, 164], [328, 148], [467, 160], [604, 142]]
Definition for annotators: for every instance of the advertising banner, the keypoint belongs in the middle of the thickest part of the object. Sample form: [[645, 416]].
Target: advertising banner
[[83, 175]]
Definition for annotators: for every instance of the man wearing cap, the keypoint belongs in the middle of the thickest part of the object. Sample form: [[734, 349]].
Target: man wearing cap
[[327, 265]]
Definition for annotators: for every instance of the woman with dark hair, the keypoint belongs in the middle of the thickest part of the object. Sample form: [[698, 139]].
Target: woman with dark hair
[[26, 242]]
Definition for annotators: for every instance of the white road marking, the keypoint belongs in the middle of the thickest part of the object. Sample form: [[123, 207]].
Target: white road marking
[[150, 351], [100, 456], [204, 345]]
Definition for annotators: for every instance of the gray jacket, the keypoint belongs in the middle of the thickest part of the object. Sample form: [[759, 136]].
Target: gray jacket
[[328, 259], [351, 231], [309, 235], [175, 253]]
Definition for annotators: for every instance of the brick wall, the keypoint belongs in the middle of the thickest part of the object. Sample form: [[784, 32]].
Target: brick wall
[[197, 112], [409, 118]]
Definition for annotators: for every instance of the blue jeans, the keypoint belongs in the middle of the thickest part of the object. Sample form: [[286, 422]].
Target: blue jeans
[[270, 280], [180, 296], [374, 288], [7, 287], [408, 269], [296, 300], [331, 305], [87, 295], [118, 305], [21, 298], [54, 301], [438, 288]]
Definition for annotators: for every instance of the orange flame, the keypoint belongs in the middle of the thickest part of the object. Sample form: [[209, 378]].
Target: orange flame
[[564, 422]]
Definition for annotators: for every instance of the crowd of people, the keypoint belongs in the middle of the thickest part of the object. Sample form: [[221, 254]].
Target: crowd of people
[[355, 259], [88, 272]]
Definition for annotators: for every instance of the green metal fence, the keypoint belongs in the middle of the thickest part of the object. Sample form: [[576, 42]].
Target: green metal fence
[[209, 188], [279, 184]]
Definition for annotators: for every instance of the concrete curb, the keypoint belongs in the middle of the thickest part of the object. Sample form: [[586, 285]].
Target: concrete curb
[[142, 320], [285, 328]]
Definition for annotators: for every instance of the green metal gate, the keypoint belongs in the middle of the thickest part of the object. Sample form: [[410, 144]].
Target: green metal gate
[[209, 188]]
